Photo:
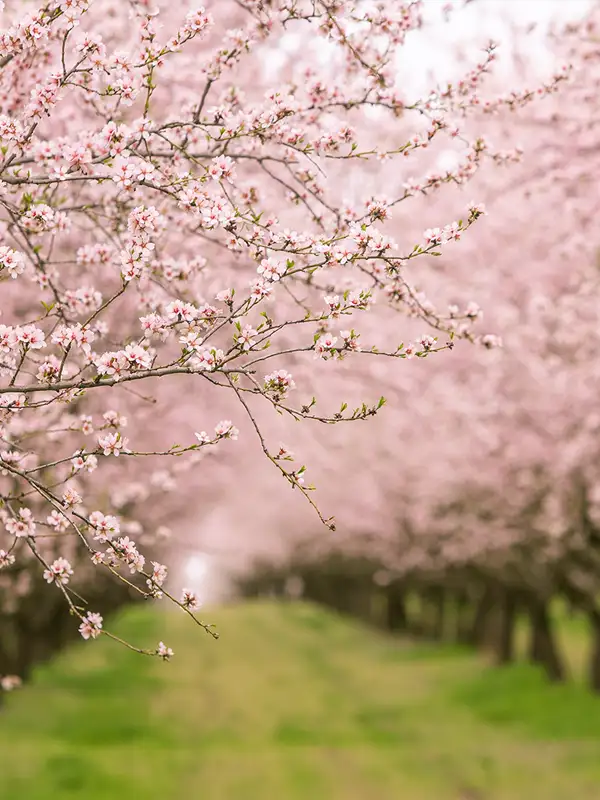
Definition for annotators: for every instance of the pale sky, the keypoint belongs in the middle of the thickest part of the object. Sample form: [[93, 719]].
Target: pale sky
[[471, 26]]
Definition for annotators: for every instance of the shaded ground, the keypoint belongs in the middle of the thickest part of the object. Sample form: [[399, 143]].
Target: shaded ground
[[292, 703]]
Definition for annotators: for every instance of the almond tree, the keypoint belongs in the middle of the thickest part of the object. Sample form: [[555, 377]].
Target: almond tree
[[173, 209], [484, 475]]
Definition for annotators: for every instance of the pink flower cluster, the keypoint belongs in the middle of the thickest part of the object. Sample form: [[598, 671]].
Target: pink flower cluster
[[177, 216]]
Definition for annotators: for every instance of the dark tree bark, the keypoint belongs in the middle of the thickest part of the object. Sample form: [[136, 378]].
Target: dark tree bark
[[438, 604], [479, 634], [396, 619], [462, 618], [507, 619], [360, 598], [594, 667], [543, 646]]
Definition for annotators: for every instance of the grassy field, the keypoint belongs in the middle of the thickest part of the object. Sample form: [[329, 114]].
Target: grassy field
[[293, 702]]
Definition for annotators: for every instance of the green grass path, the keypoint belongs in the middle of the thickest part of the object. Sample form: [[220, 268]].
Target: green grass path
[[292, 702]]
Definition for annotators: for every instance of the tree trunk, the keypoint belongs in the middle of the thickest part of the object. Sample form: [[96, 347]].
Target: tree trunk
[[483, 612], [507, 618], [461, 628], [396, 607], [439, 612], [594, 668], [360, 600], [335, 593], [543, 647]]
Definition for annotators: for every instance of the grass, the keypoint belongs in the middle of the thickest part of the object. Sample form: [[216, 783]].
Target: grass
[[294, 702]]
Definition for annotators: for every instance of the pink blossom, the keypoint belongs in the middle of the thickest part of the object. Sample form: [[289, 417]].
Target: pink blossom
[[260, 288], [71, 498], [209, 359], [491, 341], [84, 461], [113, 444], [222, 167], [190, 600], [9, 683], [31, 336], [114, 419], [105, 525], [12, 261], [57, 520], [271, 270], [60, 571], [22, 525], [324, 345], [139, 188], [6, 559], [245, 338], [159, 574], [426, 342], [87, 425], [225, 296], [351, 340], [164, 652], [127, 551], [226, 430], [279, 382], [91, 626]]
